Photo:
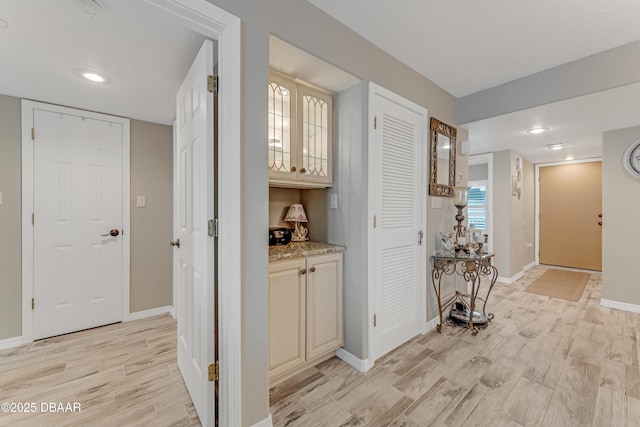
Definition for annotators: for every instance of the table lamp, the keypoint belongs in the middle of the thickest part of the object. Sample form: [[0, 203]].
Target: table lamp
[[296, 215]]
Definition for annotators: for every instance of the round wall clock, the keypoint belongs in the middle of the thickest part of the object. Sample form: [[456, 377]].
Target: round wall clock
[[631, 159]]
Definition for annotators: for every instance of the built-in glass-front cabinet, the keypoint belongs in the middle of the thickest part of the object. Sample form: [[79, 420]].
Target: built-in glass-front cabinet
[[300, 134]]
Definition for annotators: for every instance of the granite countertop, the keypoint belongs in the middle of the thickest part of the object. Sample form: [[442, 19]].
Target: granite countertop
[[302, 249]]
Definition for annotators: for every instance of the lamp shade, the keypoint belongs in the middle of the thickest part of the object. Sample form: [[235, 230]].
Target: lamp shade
[[296, 214]]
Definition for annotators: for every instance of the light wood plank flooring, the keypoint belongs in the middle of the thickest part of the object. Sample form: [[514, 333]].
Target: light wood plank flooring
[[124, 374], [541, 362]]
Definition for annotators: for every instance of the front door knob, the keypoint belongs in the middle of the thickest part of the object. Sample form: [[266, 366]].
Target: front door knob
[[176, 243], [112, 233]]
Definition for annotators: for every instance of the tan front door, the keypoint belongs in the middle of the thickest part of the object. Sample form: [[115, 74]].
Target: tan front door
[[570, 209]]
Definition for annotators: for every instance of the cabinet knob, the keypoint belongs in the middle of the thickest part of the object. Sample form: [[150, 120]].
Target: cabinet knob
[[303, 170], [303, 271], [312, 269], [293, 168]]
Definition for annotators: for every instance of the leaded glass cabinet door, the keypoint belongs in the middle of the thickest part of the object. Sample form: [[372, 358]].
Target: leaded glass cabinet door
[[315, 136], [281, 131]]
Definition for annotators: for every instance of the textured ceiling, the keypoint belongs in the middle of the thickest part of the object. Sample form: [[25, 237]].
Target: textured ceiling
[[577, 123], [468, 45], [145, 55]]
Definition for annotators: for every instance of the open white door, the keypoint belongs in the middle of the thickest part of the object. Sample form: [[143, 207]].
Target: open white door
[[398, 202], [195, 202]]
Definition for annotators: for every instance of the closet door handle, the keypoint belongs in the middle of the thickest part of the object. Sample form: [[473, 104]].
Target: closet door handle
[[312, 269]]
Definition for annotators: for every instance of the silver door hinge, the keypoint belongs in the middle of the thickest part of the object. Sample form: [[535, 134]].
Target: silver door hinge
[[420, 236], [374, 221], [212, 84], [213, 227], [33, 134], [375, 122], [374, 321], [33, 303], [214, 372], [33, 218]]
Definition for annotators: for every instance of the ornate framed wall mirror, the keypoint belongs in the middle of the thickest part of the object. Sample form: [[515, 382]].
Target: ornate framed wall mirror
[[442, 159]]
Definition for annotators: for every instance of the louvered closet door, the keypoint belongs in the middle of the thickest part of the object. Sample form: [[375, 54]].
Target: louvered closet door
[[399, 258]]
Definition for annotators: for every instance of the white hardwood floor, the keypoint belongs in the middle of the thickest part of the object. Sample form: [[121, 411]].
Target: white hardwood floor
[[123, 374], [542, 362]]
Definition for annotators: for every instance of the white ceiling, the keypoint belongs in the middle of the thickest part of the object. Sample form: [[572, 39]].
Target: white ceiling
[[303, 66], [578, 123], [461, 45], [144, 54], [465, 46]]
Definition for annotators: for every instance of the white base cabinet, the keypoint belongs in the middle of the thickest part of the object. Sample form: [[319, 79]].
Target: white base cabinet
[[305, 311]]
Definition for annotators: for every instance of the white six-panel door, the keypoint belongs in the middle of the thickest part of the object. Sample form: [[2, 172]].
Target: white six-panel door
[[77, 199], [194, 198], [399, 199]]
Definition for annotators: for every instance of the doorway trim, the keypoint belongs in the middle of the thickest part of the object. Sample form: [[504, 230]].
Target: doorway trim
[[537, 197], [480, 159], [211, 21], [27, 115]]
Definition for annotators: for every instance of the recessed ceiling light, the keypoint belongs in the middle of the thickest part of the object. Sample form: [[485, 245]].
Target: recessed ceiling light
[[558, 146], [92, 76], [569, 158], [536, 131]]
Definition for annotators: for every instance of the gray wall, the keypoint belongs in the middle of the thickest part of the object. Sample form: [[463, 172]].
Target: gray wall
[[513, 218], [529, 213], [620, 204], [502, 211], [478, 172], [10, 233], [151, 227], [301, 24], [347, 225], [605, 70]]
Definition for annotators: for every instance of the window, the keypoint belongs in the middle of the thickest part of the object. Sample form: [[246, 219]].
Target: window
[[477, 204]]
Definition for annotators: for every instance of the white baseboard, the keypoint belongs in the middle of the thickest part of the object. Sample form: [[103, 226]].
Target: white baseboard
[[173, 312], [151, 312], [530, 266], [11, 343], [510, 280], [620, 305], [359, 364], [267, 422], [431, 324]]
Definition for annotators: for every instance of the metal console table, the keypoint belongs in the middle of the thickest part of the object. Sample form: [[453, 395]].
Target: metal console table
[[472, 268]]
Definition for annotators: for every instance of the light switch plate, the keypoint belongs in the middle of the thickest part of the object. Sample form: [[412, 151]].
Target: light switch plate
[[141, 201], [436, 202], [334, 201]]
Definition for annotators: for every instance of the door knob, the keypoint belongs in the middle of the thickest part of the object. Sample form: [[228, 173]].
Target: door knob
[[112, 233], [600, 216], [176, 243], [599, 222]]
